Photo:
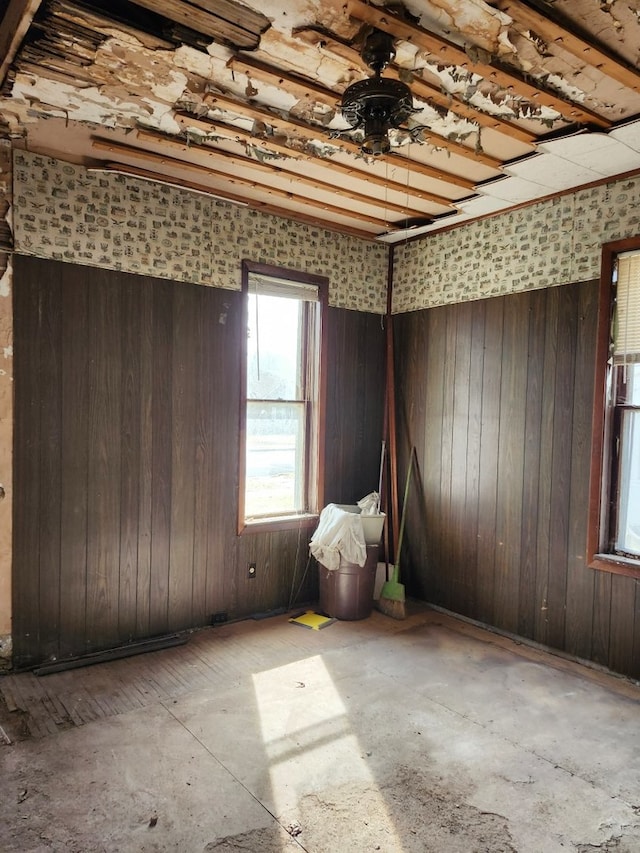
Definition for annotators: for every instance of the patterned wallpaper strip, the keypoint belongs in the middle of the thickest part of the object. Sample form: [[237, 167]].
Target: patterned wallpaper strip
[[543, 245], [63, 212]]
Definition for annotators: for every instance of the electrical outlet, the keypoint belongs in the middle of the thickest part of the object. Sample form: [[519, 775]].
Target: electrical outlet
[[251, 570], [219, 617]]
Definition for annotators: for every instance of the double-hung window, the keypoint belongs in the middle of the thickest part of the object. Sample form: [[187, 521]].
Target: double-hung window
[[617, 430], [282, 401]]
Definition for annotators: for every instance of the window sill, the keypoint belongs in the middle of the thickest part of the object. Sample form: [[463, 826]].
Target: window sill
[[616, 565], [285, 522]]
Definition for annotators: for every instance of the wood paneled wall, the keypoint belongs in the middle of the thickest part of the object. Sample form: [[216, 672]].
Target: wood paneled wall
[[496, 395], [126, 458]]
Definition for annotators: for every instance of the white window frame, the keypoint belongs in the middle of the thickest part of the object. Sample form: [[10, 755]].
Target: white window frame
[[612, 349], [274, 280]]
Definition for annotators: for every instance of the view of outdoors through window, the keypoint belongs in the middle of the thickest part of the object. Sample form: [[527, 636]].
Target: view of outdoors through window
[[275, 426], [628, 533]]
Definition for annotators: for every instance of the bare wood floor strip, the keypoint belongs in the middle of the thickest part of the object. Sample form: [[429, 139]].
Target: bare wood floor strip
[[216, 658]]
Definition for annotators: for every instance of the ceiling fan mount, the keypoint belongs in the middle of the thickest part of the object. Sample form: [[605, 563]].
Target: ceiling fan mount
[[377, 104]]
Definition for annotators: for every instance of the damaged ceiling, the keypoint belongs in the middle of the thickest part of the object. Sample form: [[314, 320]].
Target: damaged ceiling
[[513, 100]]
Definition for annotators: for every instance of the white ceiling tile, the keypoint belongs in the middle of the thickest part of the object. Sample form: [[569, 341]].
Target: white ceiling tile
[[482, 205], [551, 172], [600, 152], [629, 134], [513, 189]]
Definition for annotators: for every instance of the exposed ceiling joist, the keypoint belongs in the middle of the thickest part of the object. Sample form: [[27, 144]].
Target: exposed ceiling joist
[[405, 209], [587, 51], [448, 52], [302, 130], [314, 183], [15, 24], [211, 20], [212, 127], [150, 157], [67, 10], [315, 133]]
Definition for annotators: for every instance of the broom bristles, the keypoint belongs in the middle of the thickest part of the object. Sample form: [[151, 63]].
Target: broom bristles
[[392, 607]]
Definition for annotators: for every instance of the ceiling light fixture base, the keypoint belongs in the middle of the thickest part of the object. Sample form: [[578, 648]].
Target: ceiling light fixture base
[[377, 104]]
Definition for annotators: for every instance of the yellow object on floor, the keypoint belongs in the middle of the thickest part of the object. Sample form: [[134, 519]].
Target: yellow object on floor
[[312, 620]]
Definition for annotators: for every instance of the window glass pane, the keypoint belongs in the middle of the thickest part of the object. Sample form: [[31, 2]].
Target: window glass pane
[[633, 384], [273, 360], [628, 534], [275, 459]]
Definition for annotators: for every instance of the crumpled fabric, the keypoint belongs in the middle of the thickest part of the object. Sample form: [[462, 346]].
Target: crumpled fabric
[[339, 535], [370, 504]]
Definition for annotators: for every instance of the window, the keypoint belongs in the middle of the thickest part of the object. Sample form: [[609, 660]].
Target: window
[[615, 485], [282, 400]]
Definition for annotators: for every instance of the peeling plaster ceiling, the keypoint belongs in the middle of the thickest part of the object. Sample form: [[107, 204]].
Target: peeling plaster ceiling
[[515, 100]]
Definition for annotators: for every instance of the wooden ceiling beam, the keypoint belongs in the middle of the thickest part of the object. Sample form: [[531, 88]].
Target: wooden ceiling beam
[[272, 167], [202, 21], [238, 134], [15, 24], [315, 133], [235, 13], [301, 88], [426, 91], [71, 13], [254, 204], [449, 53], [357, 172], [209, 125], [151, 157], [587, 51]]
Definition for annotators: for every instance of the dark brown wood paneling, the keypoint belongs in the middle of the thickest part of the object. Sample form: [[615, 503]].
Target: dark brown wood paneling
[[184, 392], [635, 665], [521, 416], [49, 345], [623, 605], [511, 461], [469, 554], [355, 384], [224, 324], [131, 437], [143, 466], [203, 475], [104, 320], [488, 482], [75, 462], [126, 458], [430, 462], [580, 581], [545, 465], [411, 432], [561, 463], [528, 602], [26, 467], [161, 456]]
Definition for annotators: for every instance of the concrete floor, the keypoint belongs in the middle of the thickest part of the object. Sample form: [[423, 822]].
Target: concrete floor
[[422, 735]]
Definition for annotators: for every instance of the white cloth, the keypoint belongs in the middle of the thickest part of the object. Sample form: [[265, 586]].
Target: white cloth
[[370, 504], [339, 534]]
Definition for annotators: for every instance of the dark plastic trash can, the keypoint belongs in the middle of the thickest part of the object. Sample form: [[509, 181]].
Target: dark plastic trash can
[[347, 592]]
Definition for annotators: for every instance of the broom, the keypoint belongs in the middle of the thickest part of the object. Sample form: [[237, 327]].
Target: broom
[[392, 596]]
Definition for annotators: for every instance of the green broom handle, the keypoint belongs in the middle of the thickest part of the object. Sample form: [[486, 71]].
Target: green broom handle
[[404, 508]]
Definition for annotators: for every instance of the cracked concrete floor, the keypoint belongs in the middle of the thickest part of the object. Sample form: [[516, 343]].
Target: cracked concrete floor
[[423, 735]]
